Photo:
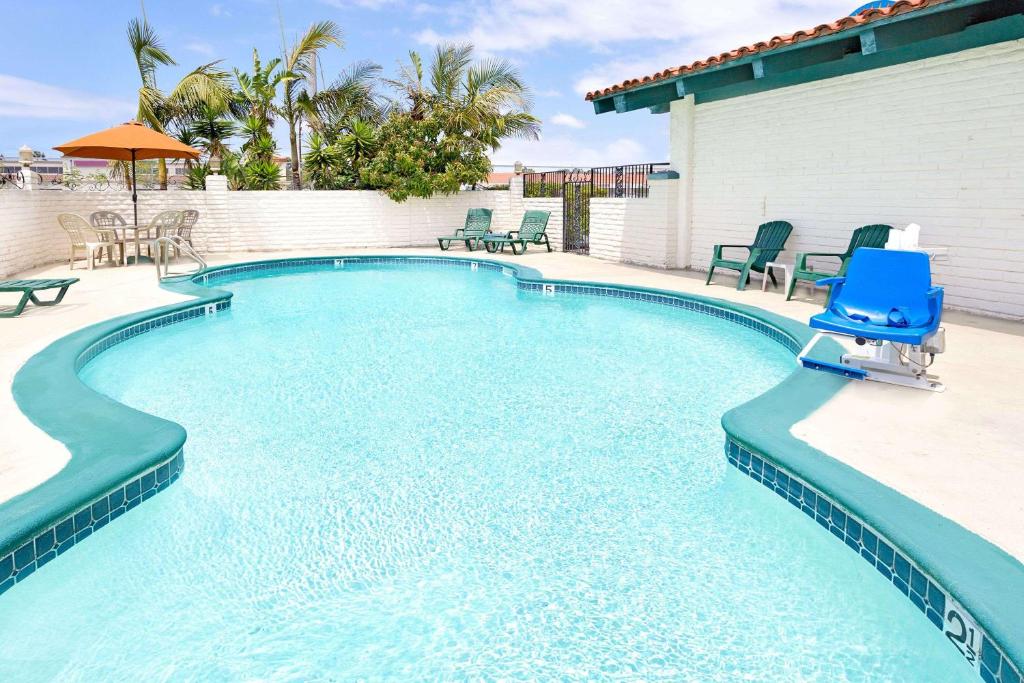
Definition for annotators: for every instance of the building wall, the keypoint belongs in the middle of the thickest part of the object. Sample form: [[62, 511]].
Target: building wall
[[939, 142], [636, 230], [251, 221]]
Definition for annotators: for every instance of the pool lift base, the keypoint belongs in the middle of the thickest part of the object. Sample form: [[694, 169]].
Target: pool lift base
[[903, 364]]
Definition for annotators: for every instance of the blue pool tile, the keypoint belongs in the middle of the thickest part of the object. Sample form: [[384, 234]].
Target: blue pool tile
[[839, 518], [82, 535], [884, 570], [83, 519], [918, 582], [148, 482], [65, 530], [917, 600], [853, 529], [26, 572], [987, 676], [885, 553], [869, 541], [116, 499], [133, 489], [990, 655], [63, 547], [24, 556], [6, 567], [824, 508], [902, 567], [1008, 675], [934, 617], [162, 473], [4, 585], [901, 584], [44, 542], [936, 598], [45, 557], [100, 508]]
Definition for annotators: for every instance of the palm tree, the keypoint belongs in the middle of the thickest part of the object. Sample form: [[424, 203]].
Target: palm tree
[[299, 66], [486, 100], [211, 131], [257, 91], [204, 86], [353, 96]]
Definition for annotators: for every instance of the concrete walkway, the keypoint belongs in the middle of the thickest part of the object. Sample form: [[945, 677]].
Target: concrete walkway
[[953, 452]]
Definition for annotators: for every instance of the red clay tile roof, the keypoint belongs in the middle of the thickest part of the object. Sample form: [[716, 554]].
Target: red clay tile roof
[[843, 24]]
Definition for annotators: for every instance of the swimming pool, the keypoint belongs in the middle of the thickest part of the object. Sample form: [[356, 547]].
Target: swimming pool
[[400, 472]]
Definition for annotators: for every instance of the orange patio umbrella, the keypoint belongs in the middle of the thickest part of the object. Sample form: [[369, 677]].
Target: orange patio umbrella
[[130, 141]]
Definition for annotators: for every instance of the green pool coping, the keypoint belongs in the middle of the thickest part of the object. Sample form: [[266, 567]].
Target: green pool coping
[[111, 443]]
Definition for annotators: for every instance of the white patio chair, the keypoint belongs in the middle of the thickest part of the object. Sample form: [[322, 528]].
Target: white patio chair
[[85, 237]]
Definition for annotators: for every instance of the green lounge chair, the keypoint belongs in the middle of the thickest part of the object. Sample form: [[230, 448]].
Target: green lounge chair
[[871, 236], [533, 230], [770, 240], [478, 224], [28, 289]]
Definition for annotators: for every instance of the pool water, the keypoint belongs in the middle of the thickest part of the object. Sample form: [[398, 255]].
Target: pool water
[[411, 473]]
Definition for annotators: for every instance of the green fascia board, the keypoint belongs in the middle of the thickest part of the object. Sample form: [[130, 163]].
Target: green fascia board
[[988, 33], [110, 443], [896, 31]]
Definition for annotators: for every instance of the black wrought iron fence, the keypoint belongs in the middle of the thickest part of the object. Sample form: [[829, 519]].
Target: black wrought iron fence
[[628, 180]]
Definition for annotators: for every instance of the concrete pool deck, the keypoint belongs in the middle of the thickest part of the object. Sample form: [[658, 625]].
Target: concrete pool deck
[[952, 452]]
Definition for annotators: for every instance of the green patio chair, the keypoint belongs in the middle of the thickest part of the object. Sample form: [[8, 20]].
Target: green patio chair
[[533, 230], [871, 236], [28, 289], [770, 240], [478, 224]]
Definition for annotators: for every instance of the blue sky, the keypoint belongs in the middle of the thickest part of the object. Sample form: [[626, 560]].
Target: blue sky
[[69, 71]]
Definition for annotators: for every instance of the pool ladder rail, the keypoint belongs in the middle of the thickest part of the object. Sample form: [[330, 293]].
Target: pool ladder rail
[[164, 246]]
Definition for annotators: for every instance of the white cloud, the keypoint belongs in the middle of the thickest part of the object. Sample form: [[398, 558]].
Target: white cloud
[[218, 10], [567, 120], [672, 32], [201, 47], [25, 99], [564, 151]]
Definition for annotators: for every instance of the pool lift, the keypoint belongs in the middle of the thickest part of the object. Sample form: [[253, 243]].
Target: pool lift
[[886, 302]]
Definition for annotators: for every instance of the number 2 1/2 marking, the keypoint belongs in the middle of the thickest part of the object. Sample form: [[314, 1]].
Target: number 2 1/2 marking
[[961, 635]]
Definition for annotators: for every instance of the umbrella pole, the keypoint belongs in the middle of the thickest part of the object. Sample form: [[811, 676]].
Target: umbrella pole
[[135, 197]]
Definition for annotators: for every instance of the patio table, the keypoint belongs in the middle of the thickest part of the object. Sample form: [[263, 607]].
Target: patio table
[[135, 230]]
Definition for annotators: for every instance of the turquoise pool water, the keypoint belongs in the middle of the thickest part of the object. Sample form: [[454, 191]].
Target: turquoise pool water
[[419, 473]]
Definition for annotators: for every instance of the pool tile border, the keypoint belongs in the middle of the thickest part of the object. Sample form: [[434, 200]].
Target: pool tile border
[[89, 518], [896, 566], [876, 549]]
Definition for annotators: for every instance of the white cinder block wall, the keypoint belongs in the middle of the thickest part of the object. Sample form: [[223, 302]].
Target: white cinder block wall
[[636, 230], [255, 221], [939, 142]]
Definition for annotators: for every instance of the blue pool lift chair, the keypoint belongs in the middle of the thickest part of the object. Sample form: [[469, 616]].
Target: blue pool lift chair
[[887, 303]]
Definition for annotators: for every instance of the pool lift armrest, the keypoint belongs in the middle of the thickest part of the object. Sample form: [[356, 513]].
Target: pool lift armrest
[[905, 364]]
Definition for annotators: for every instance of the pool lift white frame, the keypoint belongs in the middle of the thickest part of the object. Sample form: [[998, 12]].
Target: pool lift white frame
[[903, 364]]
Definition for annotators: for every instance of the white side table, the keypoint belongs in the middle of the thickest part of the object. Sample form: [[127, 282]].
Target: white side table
[[784, 267]]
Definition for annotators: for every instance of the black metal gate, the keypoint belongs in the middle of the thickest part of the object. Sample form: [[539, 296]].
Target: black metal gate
[[577, 189]]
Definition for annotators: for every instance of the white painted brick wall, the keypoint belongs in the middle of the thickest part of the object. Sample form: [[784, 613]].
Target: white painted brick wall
[[255, 221], [938, 142], [636, 230]]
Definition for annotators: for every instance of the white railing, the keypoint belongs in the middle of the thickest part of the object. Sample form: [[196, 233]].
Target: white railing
[[166, 248]]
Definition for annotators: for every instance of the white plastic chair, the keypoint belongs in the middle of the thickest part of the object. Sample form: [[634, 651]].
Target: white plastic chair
[[85, 237]]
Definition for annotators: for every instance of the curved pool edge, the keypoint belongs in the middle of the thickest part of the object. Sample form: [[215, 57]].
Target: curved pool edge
[[114, 447]]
